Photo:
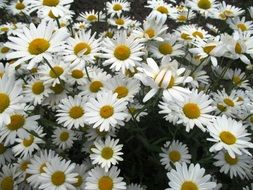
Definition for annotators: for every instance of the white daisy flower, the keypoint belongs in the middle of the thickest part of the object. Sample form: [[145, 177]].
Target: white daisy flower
[[79, 26], [225, 11], [238, 78], [121, 22], [81, 170], [134, 109], [240, 24], [63, 138], [77, 75], [117, 7], [230, 135], [105, 111], [9, 177], [19, 7], [106, 153], [91, 16], [94, 134]]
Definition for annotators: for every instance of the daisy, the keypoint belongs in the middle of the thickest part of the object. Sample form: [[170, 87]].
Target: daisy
[[230, 135], [105, 111], [238, 78], [106, 153], [71, 112], [91, 16], [7, 28], [59, 174], [82, 48], [240, 24], [63, 138], [225, 11], [35, 44], [121, 22], [192, 177], [135, 109], [174, 152], [117, 7], [183, 16], [9, 177], [77, 75], [94, 134], [122, 52], [239, 166], [3, 51], [79, 26], [99, 179], [81, 170], [19, 7], [6, 155]]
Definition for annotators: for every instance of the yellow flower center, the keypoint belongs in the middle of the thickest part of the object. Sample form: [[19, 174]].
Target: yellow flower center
[[106, 111], [82, 46], [105, 183], [109, 34], [204, 4], [58, 178], [236, 80], [64, 136], [117, 7], [230, 160], [251, 119], [150, 32], [229, 102], [92, 18], [51, 3], [28, 142], [107, 153], [4, 102], [2, 148], [165, 48], [4, 29], [42, 168], [58, 88], [189, 185], [7, 183], [122, 91], [38, 46], [185, 36], [227, 137], [38, 87], [198, 34], [79, 181], [119, 21], [221, 107], [1, 74], [122, 52], [174, 156], [77, 74], [17, 121], [191, 110], [5, 50], [181, 18], [207, 49], [238, 48], [162, 10], [20, 6], [24, 165], [76, 112], [34, 70], [56, 72], [95, 86], [242, 27]]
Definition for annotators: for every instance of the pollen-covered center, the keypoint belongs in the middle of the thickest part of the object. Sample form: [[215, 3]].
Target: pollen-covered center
[[236, 80], [221, 107], [189, 185], [2, 148], [106, 111], [76, 112], [229, 102], [242, 27], [77, 74], [230, 160], [105, 183], [92, 18], [56, 71], [191, 110], [174, 156], [117, 7], [38, 46], [29, 141], [58, 88], [185, 36], [207, 49], [4, 102], [95, 86], [58, 178], [122, 91], [17, 121], [120, 21], [162, 9], [238, 48], [122, 52], [38, 87], [20, 6], [198, 34], [150, 32], [181, 18], [64, 136], [5, 50], [107, 153], [7, 183], [82, 47], [79, 181], [165, 48], [51, 3], [204, 4], [227, 137]]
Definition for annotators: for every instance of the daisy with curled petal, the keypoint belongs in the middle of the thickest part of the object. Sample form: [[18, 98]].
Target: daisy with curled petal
[[59, 174], [230, 135], [192, 177], [174, 152], [105, 111], [82, 48], [63, 138], [9, 177], [19, 7], [239, 166], [71, 112], [91, 16], [134, 186], [106, 153], [117, 7], [35, 44], [240, 24], [6, 155], [99, 179]]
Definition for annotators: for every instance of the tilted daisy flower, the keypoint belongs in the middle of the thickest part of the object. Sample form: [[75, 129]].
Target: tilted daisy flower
[[230, 135], [63, 138], [6, 155], [77, 75], [121, 22], [239, 166], [183, 16], [9, 177], [99, 179], [79, 26], [19, 7], [91, 16], [35, 44], [240, 24], [225, 11], [122, 52], [117, 7], [59, 174], [105, 111], [173, 152], [106, 153], [192, 177], [238, 78], [71, 112], [83, 48]]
